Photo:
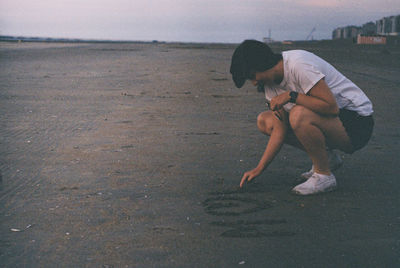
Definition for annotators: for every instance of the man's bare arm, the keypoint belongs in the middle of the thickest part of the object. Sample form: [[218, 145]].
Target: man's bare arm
[[275, 142], [319, 99]]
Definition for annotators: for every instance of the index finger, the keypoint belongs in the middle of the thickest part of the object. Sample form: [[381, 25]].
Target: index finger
[[245, 176]]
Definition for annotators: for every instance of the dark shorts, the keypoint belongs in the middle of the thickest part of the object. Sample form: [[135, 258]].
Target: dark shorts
[[359, 128]]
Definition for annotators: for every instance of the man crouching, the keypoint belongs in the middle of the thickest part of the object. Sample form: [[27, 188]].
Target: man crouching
[[312, 106]]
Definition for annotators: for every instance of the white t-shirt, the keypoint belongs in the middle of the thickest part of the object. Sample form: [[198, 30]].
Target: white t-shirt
[[302, 70]]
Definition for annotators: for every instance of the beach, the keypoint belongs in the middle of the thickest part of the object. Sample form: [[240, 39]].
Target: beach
[[131, 154]]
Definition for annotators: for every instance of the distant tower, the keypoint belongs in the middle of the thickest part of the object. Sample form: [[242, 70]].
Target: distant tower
[[310, 35], [268, 39]]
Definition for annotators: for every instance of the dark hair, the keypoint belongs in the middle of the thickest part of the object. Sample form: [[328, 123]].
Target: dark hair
[[249, 57]]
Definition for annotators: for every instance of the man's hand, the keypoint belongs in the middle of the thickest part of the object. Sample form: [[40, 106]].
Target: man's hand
[[249, 175], [280, 100]]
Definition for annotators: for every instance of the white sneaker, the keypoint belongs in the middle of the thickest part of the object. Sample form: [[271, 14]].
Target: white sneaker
[[335, 162], [317, 183], [308, 174]]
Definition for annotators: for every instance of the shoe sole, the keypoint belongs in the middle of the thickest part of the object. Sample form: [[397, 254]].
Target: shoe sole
[[328, 189]]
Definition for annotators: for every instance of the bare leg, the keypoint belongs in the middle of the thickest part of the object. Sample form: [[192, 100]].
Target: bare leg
[[311, 133], [265, 123], [313, 141], [315, 132]]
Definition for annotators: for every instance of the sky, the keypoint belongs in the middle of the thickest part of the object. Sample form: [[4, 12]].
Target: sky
[[227, 21]]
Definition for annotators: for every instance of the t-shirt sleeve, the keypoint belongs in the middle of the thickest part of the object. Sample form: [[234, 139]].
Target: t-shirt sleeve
[[307, 76]]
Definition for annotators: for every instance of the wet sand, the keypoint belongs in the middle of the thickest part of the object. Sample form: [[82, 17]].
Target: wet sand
[[130, 155]]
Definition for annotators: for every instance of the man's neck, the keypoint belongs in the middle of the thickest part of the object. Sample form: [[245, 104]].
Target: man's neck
[[279, 72]]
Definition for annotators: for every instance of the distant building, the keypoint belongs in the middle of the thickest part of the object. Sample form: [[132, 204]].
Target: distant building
[[388, 25], [385, 31], [371, 40], [368, 28], [351, 31], [346, 32], [337, 33]]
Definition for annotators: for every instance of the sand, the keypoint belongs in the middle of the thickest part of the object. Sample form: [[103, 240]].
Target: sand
[[130, 155]]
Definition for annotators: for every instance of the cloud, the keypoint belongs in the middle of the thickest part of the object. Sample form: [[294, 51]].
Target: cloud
[[324, 4]]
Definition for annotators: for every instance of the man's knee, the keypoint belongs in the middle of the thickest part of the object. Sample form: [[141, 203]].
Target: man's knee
[[264, 122], [298, 116]]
